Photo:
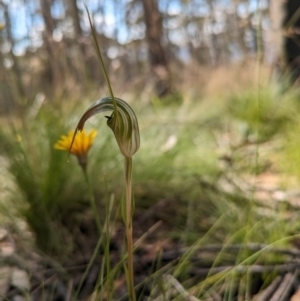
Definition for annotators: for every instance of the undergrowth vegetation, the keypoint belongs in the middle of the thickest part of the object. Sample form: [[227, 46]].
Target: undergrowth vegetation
[[198, 170]]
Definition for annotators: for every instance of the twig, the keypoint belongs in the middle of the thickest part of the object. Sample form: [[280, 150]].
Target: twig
[[283, 290], [147, 233], [16, 261], [268, 292], [180, 289], [212, 296], [69, 290], [238, 247], [281, 268]]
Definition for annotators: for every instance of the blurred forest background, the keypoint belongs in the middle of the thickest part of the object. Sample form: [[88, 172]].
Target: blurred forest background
[[215, 87], [46, 45]]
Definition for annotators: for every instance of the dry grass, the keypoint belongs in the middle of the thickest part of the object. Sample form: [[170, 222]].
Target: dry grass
[[221, 81]]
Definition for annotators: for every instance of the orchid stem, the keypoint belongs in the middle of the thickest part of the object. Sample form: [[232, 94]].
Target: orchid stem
[[129, 211]]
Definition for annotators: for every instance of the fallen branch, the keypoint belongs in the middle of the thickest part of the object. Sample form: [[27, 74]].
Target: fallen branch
[[268, 292], [242, 269], [255, 247], [179, 288], [282, 293]]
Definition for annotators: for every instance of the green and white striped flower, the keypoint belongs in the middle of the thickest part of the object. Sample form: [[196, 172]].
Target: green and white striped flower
[[123, 123]]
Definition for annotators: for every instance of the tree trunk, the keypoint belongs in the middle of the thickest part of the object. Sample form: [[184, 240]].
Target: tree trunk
[[292, 37], [15, 67], [79, 40], [56, 76], [76, 18], [157, 55], [276, 40]]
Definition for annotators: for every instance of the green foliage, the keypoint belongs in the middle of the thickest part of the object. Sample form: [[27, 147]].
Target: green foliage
[[54, 194], [263, 111], [178, 160], [179, 164], [288, 155]]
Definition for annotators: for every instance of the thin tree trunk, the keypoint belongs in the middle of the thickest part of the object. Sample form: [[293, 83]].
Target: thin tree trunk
[[15, 67], [76, 18], [292, 37], [276, 18], [56, 75], [81, 63], [157, 55], [77, 26]]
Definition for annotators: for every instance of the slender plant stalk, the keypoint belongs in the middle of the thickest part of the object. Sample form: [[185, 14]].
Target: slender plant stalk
[[110, 280], [92, 199], [96, 216], [129, 211], [94, 37], [94, 255], [124, 124]]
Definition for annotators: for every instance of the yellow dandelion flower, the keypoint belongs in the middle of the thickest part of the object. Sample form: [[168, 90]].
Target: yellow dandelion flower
[[81, 144]]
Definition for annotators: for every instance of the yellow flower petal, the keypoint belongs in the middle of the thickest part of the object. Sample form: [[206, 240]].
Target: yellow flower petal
[[81, 145]]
